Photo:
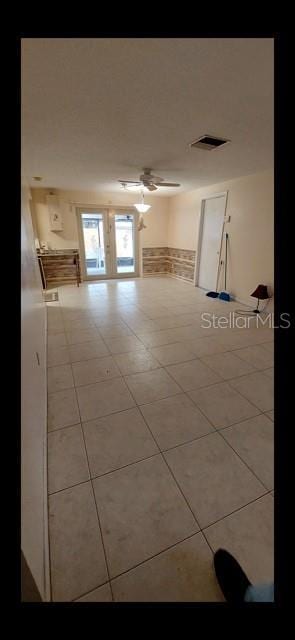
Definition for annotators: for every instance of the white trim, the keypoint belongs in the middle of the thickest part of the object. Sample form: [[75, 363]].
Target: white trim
[[220, 194], [79, 211], [135, 273], [109, 238], [44, 585], [176, 277], [247, 304], [47, 578]]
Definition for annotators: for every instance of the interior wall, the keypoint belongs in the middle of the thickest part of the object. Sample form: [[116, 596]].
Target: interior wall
[[156, 219], [251, 229], [174, 222], [34, 531]]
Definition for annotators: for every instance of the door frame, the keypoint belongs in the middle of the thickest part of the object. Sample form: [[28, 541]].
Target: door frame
[[92, 209], [110, 240], [219, 194], [112, 211]]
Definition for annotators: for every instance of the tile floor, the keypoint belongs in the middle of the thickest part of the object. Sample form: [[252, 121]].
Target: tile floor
[[160, 443]]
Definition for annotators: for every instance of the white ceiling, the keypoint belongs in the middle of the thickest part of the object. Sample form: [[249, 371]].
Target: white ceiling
[[95, 110]]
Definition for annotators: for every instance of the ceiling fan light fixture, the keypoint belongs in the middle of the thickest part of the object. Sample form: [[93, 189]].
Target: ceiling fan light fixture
[[147, 181], [140, 206]]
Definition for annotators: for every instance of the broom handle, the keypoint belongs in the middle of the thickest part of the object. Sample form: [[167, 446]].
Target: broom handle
[[225, 270], [220, 254]]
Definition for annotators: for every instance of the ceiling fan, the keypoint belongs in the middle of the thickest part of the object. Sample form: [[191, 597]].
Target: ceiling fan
[[149, 181]]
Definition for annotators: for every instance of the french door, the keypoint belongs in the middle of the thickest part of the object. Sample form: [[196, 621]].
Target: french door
[[108, 243]]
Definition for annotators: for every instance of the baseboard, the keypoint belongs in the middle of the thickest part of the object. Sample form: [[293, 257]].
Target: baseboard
[[167, 275], [175, 277], [251, 304], [29, 589], [155, 275]]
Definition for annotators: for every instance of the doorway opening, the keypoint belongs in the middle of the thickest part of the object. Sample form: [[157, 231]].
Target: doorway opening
[[211, 228]]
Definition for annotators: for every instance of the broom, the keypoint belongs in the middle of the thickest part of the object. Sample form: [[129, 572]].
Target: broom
[[223, 294], [214, 294]]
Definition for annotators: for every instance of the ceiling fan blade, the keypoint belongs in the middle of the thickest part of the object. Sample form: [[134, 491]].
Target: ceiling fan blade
[[151, 187], [129, 182], [167, 184]]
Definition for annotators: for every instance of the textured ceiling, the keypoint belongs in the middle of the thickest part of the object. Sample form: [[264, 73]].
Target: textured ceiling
[[95, 110]]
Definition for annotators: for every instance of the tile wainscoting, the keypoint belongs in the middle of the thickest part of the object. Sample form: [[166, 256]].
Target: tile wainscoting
[[179, 263]]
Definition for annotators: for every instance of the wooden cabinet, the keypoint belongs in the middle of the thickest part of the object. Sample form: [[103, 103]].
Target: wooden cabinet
[[60, 267]]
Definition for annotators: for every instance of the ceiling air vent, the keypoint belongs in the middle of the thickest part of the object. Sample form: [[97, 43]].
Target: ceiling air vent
[[208, 143]]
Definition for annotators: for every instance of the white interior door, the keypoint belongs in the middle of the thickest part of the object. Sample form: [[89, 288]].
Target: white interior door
[[211, 230]]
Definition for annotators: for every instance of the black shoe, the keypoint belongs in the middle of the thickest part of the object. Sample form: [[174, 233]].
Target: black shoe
[[231, 577]]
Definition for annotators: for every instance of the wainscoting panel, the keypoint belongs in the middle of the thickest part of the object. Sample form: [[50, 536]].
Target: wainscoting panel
[[166, 260]]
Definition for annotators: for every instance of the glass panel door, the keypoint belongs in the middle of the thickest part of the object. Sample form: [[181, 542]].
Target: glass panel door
[[108, 243], [93, 226], [125, 243]]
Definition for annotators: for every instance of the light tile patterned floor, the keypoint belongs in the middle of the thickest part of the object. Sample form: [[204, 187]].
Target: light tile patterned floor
[[160, 443]]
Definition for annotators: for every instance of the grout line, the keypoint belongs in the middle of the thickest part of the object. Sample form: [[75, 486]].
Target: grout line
[[260, 413], [244, 462], [251, 364], [86, 384], [148, 349], [245, 397], [181, 444], [195, 388], [71, 486], [95, 588], [95, 503], [208, 543], [266, 493], [165, 461], [229, 425], [201, 531], [219, 374], [107, 473], [155, 555], [237, 454], [144, 403]]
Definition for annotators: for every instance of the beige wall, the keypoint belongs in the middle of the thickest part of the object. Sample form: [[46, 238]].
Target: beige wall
[[251, 231], [34, 533], [156, 219], [174, 222]]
